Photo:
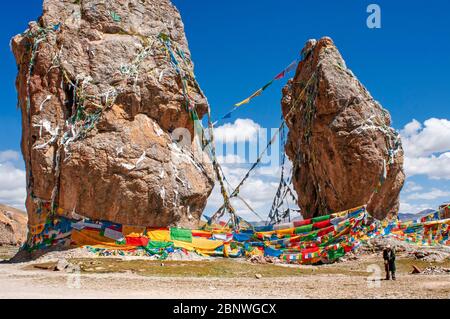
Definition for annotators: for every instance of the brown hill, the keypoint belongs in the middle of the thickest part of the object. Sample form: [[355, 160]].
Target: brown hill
[[13, 226]]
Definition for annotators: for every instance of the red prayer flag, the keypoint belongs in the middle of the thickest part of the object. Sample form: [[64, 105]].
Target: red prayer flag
[[302, 222], [280, 76], [320, 225], [137, 241]]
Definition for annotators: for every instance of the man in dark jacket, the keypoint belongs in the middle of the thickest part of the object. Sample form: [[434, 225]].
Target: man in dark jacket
[[389, 262]]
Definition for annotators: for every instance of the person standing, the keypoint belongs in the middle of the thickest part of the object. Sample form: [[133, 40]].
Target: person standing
[[389, 262]]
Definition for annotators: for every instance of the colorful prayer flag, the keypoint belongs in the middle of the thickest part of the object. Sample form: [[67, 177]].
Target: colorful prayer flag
[[281, 75], [181, 234]]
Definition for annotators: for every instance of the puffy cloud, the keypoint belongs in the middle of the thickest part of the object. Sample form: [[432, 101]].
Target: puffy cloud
[[258, 191], [427, 148], [433, 194], [427, 152], [12, 184], [411, 187], [424, 140], [412, 128], [241, 130], [435, 167], [9, 155], [230, 159]]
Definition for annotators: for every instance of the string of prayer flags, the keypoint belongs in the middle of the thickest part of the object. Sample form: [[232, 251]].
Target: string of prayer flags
[[322, 239], [279, 76], [289, 68]]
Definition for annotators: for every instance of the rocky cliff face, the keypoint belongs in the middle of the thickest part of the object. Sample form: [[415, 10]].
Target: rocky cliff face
[[13, 226], [344, 151], [101, 86]]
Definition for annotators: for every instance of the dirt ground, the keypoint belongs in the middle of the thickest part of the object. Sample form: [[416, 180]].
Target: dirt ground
[[216, 278]]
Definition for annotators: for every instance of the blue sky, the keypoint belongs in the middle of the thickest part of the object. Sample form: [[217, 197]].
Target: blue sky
[[238, 46]]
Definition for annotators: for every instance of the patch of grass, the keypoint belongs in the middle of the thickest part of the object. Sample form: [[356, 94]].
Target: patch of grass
[[209, 268], [232, 268]]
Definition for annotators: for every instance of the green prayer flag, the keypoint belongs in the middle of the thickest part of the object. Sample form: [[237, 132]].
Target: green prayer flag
[[267, 85], [159, 245], [303, 229], [121, 242], [181, 234], [335, 254], [310, 236]]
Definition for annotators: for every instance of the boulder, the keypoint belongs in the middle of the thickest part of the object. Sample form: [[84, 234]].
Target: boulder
[[344, 152], [13, 226], [102, 102]]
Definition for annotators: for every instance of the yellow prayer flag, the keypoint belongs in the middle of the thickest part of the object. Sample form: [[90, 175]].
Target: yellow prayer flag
[[247, 100], [159, 235]]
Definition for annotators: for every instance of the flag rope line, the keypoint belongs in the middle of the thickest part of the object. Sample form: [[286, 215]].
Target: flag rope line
[[256, 163], [279, 76]]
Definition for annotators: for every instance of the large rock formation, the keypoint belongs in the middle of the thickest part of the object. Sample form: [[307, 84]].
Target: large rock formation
[[344, 152], [100, 98], [13, 226]]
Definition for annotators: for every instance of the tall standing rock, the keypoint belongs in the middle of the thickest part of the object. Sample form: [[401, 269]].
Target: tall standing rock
[[344, 152], [100, 95]]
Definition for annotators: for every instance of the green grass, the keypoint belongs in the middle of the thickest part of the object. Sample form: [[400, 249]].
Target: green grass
[[212, 268]]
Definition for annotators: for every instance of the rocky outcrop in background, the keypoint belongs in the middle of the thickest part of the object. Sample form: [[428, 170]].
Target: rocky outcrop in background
[[100, 98], [13, 226], [344, 152]]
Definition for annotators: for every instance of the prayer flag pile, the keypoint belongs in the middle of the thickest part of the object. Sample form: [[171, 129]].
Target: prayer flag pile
[[322, 239]]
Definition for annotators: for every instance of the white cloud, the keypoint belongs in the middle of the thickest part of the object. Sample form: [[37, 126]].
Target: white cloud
[[433, 194], [412, 128], [12, 185], [435, 167], [427, 152], [257, 192], [240, 131], [230, 159], [412, 187], [427, 148], [9, 155]]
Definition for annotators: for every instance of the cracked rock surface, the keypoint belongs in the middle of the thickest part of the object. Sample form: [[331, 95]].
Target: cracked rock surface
[[344, 151]]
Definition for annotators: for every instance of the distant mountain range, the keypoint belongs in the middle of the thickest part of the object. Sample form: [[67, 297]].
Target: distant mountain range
[[6, 208], [409, 216]]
